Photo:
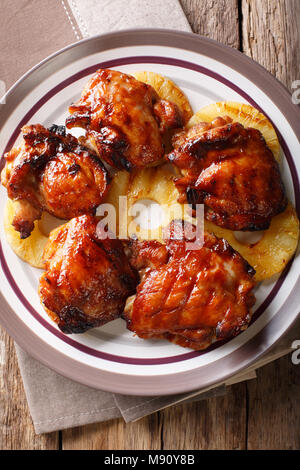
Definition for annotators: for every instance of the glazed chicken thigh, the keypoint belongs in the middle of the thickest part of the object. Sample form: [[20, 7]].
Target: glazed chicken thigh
[[51, 171], [87, 278], [124, 118], [232, 171], [191, 297]]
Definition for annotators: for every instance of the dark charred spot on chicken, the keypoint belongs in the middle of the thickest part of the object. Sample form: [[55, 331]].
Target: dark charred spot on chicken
[[60, 130], [74, 169], [73, 320]]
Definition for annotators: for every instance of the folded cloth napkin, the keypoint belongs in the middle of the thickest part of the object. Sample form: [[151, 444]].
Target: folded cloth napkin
[[56, 402]]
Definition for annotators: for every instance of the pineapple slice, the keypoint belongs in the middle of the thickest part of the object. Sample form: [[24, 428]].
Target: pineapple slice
[[30, 249], [167, 90], [153, 185], [272, 252], [146, 186]]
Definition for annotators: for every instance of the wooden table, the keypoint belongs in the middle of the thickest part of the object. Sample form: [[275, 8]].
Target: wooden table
[[260, 414]]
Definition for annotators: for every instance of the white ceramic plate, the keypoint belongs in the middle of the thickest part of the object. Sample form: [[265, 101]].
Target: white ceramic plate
[[110, 357]]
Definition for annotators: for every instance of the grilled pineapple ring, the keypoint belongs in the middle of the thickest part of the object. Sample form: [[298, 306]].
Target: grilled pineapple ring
[[155, 184], [167, 90], [30, 249], [272, 252]]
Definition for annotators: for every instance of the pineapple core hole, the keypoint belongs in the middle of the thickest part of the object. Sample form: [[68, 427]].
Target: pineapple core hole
[[148, 214], [248, 238]]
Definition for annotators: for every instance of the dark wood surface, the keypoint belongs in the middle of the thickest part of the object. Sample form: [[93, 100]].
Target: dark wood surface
[[260, 414]]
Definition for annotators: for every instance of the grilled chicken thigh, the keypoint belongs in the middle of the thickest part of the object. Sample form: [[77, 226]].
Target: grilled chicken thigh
[[190, 297], [232, 171], [87, 278], [51, 171], [125, 119]]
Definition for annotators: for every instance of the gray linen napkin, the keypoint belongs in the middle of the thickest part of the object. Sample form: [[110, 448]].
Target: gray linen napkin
[[56, 402]]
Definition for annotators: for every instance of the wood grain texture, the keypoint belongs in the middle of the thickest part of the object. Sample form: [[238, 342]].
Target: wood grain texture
[[16, 429], [145, 434], [215, 19], [217, 423], [274, 403], [271, 36]]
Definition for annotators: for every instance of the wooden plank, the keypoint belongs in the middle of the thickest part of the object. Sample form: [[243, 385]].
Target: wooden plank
[[112, 435], [217, 423], [216, 19], [274, 418], [16, 429], [271, 36]]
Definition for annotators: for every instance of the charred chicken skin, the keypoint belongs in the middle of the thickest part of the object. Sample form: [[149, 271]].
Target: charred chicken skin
[[51, 171], [87, 278], [232, 171], [124, 118], [190, 297]]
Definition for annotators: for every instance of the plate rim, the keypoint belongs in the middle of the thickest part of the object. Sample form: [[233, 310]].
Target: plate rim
[[110, 381]]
